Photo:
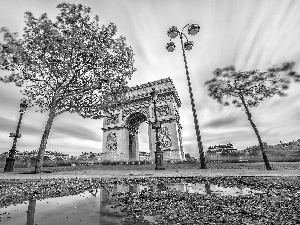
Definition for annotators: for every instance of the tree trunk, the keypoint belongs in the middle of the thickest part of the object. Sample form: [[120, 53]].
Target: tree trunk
[[267, 163], [42, 148]]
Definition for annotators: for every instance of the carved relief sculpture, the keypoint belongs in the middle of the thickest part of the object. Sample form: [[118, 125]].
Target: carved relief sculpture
[[111, 142], [164, 138], [163, 110]]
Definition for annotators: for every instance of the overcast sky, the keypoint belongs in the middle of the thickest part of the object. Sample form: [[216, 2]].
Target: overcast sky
[[249, 34]]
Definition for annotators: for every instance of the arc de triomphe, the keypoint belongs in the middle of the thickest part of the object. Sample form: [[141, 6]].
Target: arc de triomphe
[[120, 130]]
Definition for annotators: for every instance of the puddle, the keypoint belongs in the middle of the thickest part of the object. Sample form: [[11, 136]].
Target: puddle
[[90, 207], [208, 189], [204, 189]]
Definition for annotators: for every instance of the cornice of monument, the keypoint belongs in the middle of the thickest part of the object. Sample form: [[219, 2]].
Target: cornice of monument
[[143, 91]]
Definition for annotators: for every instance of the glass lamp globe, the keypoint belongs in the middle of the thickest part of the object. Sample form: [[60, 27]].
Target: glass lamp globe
[[154, 94], [23, 106], [193, 29], [170, 46], [188, 45], [173, 32]]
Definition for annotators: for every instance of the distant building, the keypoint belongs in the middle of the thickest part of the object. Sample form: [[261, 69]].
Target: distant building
[[292, 145], [284, 145], [90, 156], [144, 156], [49, 155], [217, 150]]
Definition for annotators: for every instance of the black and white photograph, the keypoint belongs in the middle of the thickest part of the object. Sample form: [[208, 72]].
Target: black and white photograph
[[175, 112]]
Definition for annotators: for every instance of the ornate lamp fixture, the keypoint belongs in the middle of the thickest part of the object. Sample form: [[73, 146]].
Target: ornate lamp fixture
[[173, 32], [23, 107], [10, 160], [188, 45], [159, 160], [153, 94], [193, 29], [170, 46]]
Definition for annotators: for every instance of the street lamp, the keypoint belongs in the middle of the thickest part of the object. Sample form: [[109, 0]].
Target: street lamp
[[173, 32], [10, 160], [159, 155]]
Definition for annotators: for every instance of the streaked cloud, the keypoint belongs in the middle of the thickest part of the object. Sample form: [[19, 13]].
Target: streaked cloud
[[250, 34]]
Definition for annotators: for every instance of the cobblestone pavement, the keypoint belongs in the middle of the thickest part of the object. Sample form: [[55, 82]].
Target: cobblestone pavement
[[150, 173]]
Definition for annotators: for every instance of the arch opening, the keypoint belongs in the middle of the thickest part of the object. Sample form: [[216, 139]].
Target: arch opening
[[133, 123]]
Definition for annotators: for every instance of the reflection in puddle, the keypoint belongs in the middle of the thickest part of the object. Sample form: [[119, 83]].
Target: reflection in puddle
[[30, 212], [208, 189], [204, 189], [91, 207]]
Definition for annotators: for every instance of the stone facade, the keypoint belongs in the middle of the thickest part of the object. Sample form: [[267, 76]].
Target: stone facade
[[120, 129]]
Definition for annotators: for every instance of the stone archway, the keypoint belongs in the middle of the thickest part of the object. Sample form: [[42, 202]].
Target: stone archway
[[133, 122], [120, 130]]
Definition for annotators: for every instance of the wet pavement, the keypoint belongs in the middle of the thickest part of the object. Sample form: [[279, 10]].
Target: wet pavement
[[193, 196], [94, 207]]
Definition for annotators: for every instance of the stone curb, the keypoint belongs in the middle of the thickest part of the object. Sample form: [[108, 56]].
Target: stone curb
[[150, 173]]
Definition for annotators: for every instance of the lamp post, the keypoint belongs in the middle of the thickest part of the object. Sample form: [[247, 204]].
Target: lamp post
[[173, 32], [10, 160], [159, 155]]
